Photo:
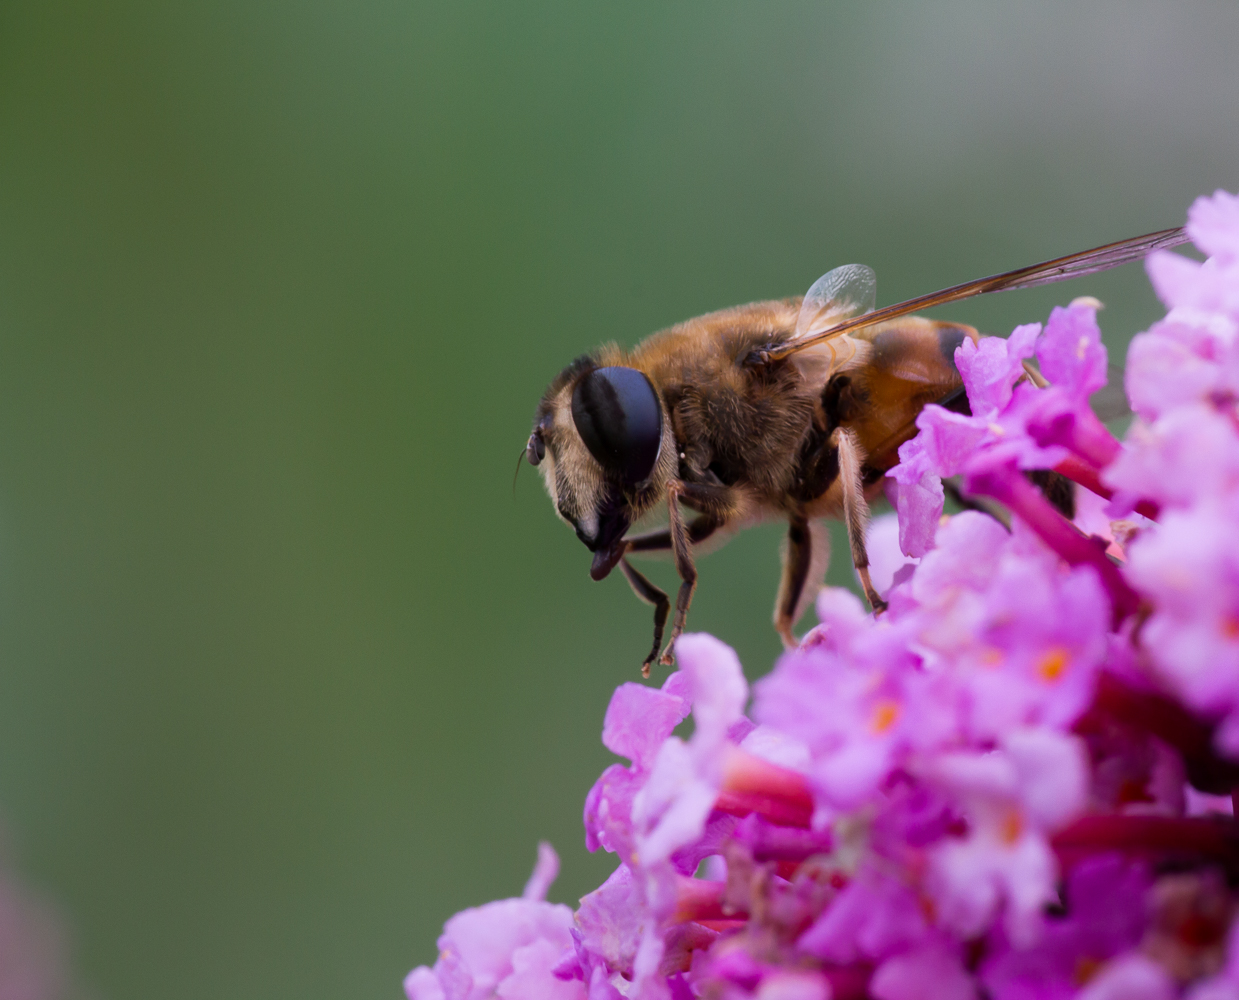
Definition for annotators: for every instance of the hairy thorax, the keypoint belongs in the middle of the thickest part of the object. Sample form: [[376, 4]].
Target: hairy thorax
[[735, 424]]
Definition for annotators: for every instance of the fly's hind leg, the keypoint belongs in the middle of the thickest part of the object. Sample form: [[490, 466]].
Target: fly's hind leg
[[855, 511], [806, 555]]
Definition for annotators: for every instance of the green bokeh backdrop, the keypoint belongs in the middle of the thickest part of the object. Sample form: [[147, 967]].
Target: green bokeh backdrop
[[287, 674]]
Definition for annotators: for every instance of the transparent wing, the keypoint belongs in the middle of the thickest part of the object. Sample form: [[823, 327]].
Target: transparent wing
[[1061, 268], [845, 292]]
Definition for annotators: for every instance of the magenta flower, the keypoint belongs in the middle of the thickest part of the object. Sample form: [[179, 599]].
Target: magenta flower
[[609, 924], [671, 809], [1012, 799], [1225, 984], [888, 566], [1032, 428], [947, 439], [1038, 646], [1190, 568], [1073, 358], [991, 368], [875, 916], [994, 474], [1014, 784], [1197, 347], [855, 700], [906, 976], [1212, 286], [637, 722], [508, 948], [1105, 917], [1180, 459]]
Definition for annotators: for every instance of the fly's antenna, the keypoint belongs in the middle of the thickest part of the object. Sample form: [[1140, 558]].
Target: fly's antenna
[[519, 461]]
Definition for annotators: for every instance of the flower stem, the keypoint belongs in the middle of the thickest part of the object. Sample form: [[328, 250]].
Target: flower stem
[[1086, 475], [1186, 838]]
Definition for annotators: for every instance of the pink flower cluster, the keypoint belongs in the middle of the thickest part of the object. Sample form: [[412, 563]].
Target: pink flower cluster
[[1014, 783]]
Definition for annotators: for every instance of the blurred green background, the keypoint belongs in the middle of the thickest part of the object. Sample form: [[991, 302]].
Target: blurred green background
[[287, 674]]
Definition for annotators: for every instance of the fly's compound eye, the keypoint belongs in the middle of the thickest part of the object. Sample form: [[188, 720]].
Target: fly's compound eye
[[616, 412]]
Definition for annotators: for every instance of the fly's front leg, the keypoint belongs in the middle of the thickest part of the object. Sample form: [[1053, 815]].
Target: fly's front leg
[[855, 511], [660, 541], [699, 530], [681, 546], [716, 504], [651, 595]]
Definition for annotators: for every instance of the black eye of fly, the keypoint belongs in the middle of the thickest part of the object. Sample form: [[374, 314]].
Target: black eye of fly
[[617, 414]]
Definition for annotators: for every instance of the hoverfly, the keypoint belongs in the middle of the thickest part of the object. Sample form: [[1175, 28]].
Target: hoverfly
[[792, 409]]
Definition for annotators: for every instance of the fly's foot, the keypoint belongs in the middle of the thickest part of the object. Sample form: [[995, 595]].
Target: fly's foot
[[876, 604]]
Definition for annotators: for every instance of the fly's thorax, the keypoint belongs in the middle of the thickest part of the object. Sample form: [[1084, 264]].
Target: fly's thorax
[[821, 362]]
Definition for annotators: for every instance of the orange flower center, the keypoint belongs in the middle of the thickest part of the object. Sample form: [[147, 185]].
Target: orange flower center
[[885, 714], [1086, 968], [1053, 664], [1011, 827]]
